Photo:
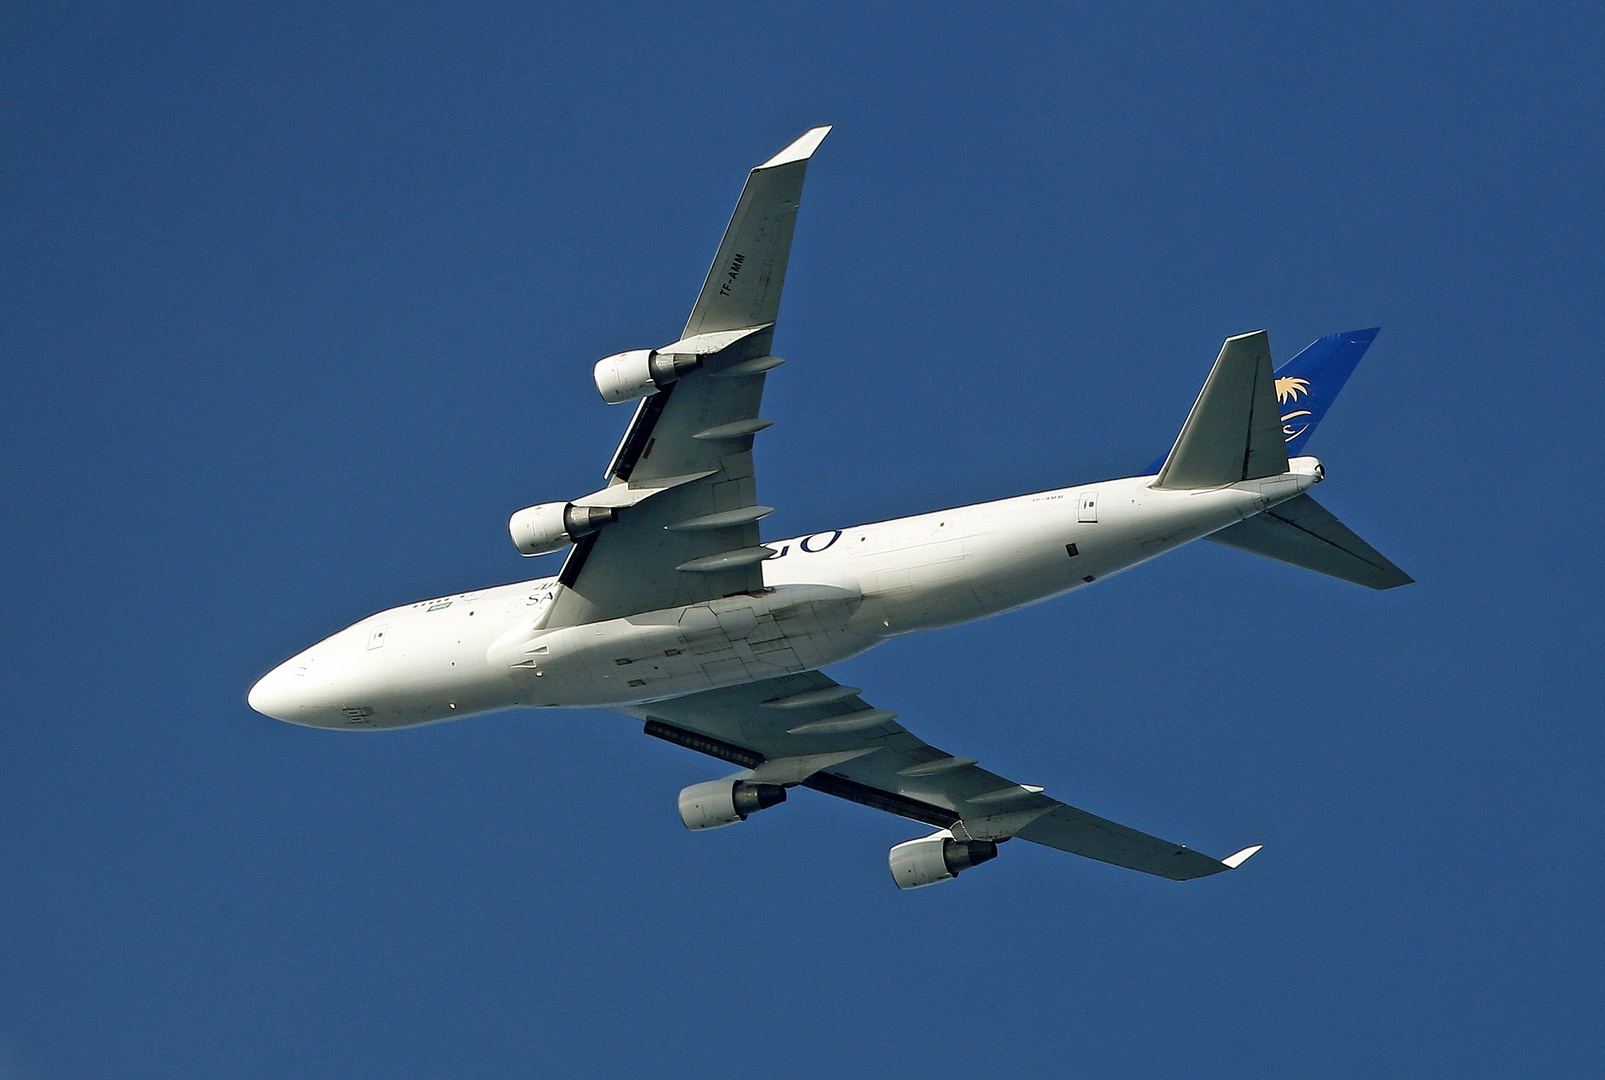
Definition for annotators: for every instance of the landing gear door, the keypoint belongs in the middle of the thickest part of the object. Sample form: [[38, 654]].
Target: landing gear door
[[1087, 507]]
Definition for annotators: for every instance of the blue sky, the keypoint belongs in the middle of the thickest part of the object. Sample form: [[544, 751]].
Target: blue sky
[[300, 303]]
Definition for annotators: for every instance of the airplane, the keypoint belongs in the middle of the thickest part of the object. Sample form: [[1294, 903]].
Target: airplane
[[670, 609]]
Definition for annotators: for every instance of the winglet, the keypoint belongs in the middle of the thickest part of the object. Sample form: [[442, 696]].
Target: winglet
[[1232, 862], [801, 150]]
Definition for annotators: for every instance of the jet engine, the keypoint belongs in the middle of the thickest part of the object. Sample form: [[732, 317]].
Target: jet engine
[[725, 802], [935, 858], [537, 530], [639, 373]]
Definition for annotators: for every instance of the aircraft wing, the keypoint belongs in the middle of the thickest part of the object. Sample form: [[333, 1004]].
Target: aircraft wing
[[808, 729], [682, 480]]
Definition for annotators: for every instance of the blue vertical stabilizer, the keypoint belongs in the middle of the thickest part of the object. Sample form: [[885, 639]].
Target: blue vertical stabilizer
[[1307, 384]]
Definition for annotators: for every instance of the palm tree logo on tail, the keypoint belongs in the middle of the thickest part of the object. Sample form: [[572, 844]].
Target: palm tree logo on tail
[[1290, 390]]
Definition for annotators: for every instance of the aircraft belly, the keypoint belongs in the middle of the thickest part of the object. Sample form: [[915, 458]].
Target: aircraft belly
[[966, 564], [1000, 556], [676, 651], [890, 578]]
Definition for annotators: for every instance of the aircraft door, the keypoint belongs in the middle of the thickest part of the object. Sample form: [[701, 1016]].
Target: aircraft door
[[1087, 507]]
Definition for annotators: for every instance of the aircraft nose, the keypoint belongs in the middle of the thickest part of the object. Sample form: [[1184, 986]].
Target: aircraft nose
[[316, 688], [274, 695]]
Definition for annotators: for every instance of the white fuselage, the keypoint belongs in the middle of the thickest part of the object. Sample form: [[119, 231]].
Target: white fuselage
[[827, 597]]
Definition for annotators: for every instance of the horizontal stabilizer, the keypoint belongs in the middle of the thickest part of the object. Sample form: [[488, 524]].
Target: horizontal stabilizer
[[1234, 431], [1304, 533]]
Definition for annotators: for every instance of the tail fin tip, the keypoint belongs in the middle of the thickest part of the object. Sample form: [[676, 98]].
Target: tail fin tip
[[1308, 384]]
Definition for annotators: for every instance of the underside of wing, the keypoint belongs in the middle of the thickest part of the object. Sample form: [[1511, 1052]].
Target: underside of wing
[[696, 539], [749, 270], [807, 729]]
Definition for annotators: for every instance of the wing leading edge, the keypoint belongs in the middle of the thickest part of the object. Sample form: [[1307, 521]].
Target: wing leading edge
[[808, 729]]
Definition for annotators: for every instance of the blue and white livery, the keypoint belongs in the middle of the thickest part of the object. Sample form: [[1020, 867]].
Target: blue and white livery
[[671, 609]]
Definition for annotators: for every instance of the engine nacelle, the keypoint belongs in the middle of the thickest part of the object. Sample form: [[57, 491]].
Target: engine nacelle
[[725, 802], [537, 530], [935, 858], [639, 373]]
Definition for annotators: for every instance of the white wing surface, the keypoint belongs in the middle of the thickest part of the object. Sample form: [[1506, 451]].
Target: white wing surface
[[787, 728], [698, 539]]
